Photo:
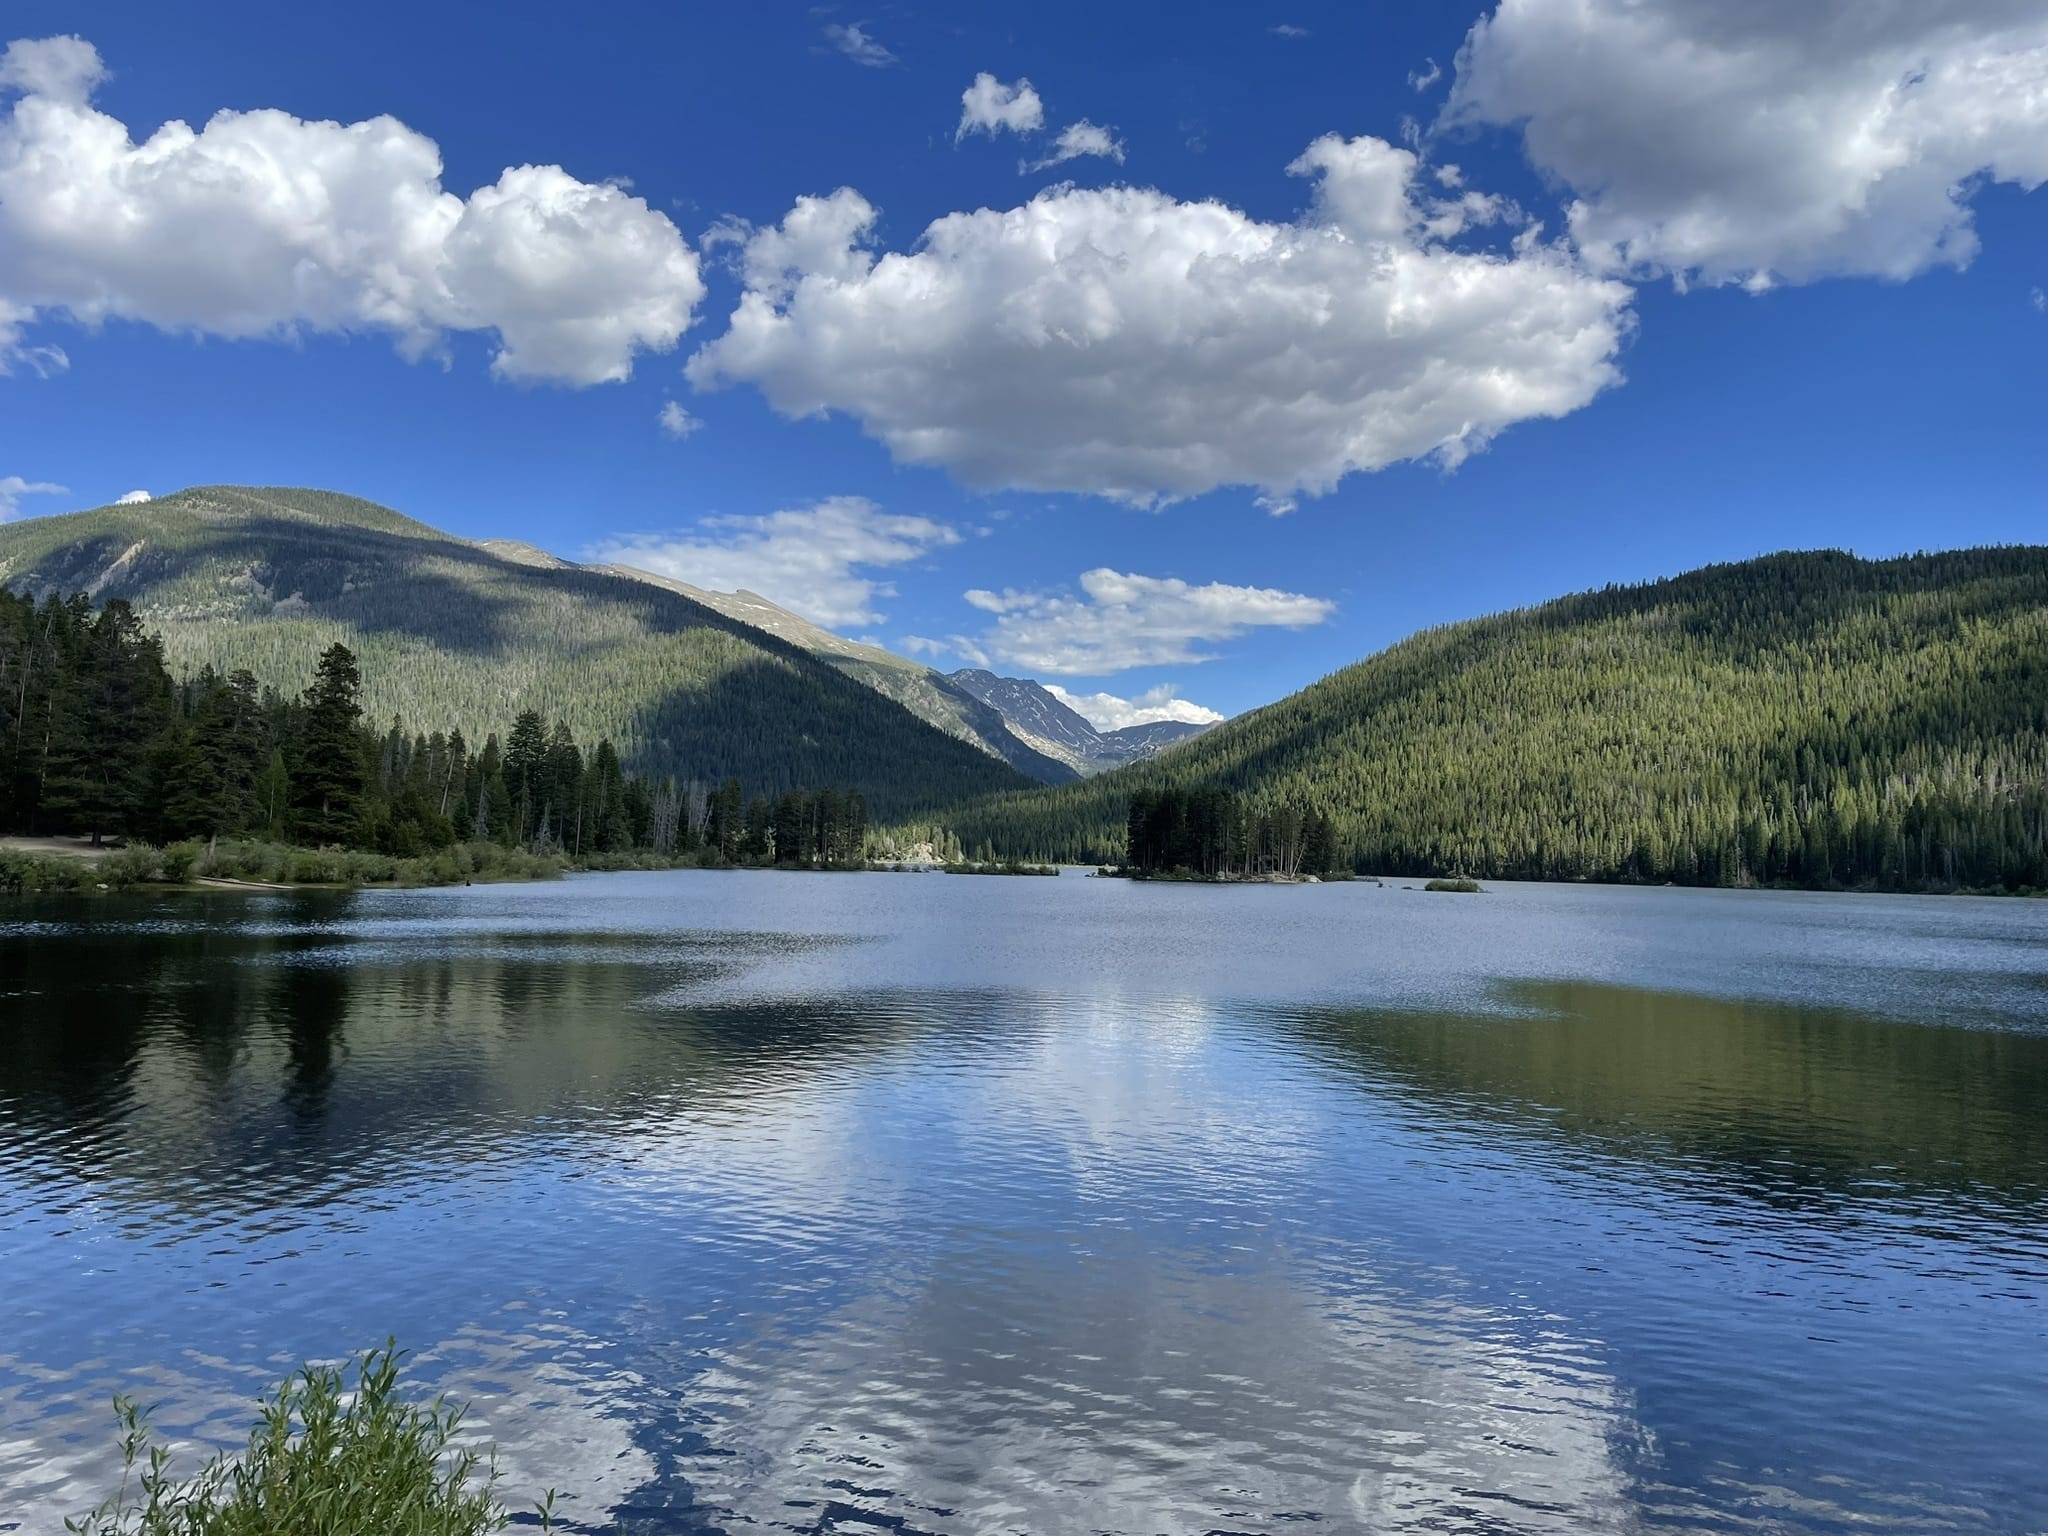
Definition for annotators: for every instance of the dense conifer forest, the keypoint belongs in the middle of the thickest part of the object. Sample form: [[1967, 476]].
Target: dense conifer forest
[[97, 739], [1209, 833], [1810, 719], [1804, 719], [466, 637]]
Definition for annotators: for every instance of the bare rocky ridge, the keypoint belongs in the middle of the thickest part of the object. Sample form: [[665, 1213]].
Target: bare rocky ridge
[[1060, 731]]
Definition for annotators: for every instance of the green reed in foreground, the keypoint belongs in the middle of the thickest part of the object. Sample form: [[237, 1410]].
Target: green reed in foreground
[[330, 1456]]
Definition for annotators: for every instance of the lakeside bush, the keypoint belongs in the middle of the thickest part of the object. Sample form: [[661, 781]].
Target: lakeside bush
[[1459, 884], [260, 863], [120, 869], [335, 1452], [280, 864], [642, 859], [35, 874]]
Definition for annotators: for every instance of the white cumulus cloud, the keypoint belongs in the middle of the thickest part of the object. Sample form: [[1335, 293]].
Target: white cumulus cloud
[[264, 224], [1121, 621], [131, 499], [13, 488], [677, 422], [1765, 141], [1107, 712], [1078, 139], [991, 107], [1122, 342], [59, 68], [812, 560]]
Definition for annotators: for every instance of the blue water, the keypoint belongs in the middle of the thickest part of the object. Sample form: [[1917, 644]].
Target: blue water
[[742, 1202]]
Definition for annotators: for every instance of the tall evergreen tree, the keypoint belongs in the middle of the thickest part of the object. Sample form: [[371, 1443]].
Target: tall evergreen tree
[[331, 777], [526, 755], [562, 772], [612, 826], [726, 826], [757, 842], [212, 759], [104, 720]]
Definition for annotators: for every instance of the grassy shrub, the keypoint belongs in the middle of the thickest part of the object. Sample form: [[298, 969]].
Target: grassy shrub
[[25, 874], [120, 869], [1459, 884], [488, 861], [635, 859], [131, 866], [277, 864], [242, 861], [334, 1453]]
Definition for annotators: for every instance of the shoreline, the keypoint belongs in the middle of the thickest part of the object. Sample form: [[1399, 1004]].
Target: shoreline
[[51, 866]]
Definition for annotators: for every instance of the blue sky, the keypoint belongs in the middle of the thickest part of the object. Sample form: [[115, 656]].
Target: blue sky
[[1706, 281]]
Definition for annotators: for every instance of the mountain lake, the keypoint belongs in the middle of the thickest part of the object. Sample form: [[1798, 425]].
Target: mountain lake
[[921, 1204]]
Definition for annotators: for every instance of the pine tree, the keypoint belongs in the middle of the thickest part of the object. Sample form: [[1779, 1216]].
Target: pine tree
[[639, 812], [498, 819], [526, 753], [757, 843], [105, 717], [274, 796], [791, 828], [210, 762], [330, 779], [613, 826], [562, 775], [727, 823]]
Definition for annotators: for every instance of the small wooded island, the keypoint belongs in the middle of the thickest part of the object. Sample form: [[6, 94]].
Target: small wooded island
[[1212, 835]]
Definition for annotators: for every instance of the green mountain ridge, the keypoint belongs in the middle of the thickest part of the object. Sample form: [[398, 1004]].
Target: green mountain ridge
[[1810, 718], [930, 695], [456, 634], [1006, 716]]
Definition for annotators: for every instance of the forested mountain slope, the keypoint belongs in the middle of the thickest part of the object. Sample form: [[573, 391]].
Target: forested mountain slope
[[1012, 717], [930, 695], [1810, 717], [455, 635]]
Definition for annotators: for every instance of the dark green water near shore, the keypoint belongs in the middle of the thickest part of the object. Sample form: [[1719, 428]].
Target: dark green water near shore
[[772, 1202]]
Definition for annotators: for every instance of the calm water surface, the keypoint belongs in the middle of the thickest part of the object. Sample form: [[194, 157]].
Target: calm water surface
[[925, 1204]]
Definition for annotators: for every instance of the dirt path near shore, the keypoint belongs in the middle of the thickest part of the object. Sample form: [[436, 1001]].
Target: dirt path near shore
[[56, 847]]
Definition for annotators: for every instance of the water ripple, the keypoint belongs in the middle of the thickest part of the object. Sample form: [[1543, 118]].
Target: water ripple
[[1045, 1206]]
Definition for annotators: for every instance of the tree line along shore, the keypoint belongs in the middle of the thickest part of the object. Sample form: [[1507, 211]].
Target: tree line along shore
[[1804, 721], [215, 777]]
